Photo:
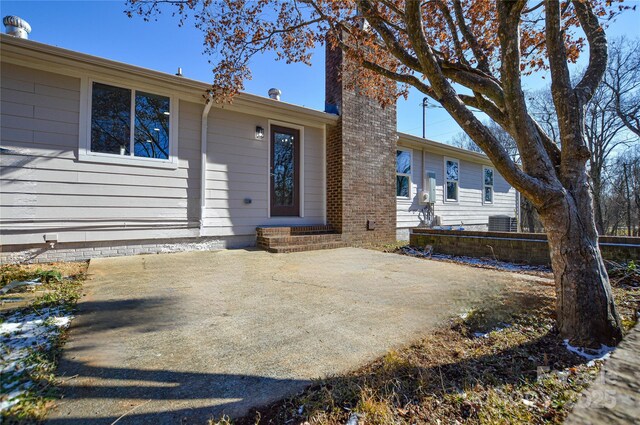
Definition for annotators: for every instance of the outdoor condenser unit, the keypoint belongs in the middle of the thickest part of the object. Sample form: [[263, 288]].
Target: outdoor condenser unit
[[502, 223], [428, 193]]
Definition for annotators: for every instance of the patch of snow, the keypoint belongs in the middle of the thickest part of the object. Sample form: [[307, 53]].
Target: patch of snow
[[17, 283], [353, 419], [500, 265], [472, 261], [10, 399], [207, 245], [528, 402], [496, 329], [22, 334], [590, 354]]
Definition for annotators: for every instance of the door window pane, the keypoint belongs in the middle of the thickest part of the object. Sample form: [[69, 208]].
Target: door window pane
[[110, 119], [152, 126], [283, 169]]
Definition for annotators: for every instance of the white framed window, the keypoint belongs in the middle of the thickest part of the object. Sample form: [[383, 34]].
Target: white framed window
[[403, 173], [487, 184], [122, 124], [452, 179]]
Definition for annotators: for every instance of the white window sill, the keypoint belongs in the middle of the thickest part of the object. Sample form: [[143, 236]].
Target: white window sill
[[171, 164]]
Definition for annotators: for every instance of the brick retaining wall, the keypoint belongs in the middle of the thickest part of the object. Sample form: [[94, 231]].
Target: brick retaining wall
[[528, 248]]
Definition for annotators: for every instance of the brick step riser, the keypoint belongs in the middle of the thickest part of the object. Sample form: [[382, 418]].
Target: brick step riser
[[303, 248], [300, 240], [291, 231]]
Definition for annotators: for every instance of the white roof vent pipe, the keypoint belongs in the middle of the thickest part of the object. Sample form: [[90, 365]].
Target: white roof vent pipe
[[275, 93], [16, 26]]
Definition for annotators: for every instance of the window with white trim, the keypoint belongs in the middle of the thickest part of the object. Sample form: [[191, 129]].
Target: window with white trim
[[487, 185], [403, 173], [129, 122], [452, 179]]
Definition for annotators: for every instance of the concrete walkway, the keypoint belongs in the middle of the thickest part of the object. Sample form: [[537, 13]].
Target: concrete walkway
[[615, 396], [181, 338]]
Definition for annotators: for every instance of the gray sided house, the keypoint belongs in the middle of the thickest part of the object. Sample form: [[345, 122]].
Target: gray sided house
[[101, 158]]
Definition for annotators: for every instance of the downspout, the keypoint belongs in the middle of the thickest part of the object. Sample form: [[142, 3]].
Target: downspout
[[203, 160]]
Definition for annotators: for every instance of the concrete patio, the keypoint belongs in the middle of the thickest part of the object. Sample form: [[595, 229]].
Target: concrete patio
[[182, 338]]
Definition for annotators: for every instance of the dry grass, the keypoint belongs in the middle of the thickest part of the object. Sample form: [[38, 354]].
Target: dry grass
[[518, 372], [62, 288], [11, 272]]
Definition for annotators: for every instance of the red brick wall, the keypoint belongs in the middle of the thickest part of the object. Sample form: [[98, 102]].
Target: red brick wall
[[361, 152]]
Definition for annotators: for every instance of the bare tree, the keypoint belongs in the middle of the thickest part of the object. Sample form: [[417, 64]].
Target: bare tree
[[528, 214], [542, 108], [603, 133], [463, 55], [623, 79], [624, 195], [463, 140]]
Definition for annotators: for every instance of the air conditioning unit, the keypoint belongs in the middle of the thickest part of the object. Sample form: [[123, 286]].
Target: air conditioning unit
[[502, 223]]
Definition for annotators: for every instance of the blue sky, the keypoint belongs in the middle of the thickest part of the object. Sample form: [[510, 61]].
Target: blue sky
[[101, 28]]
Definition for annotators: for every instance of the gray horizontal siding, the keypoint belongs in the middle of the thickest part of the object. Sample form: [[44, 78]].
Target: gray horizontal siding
[[238, 169], [44, 188], [469, 210]]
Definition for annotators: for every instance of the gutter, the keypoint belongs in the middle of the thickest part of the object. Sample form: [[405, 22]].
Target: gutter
[[442, 148], [203, 160]]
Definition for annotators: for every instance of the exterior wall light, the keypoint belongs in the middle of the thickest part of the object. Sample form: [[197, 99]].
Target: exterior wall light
[[259, 133]]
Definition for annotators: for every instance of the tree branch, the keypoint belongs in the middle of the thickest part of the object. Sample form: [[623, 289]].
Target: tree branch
[[533, 187], [444, 9], [483, 63], [598, 51]]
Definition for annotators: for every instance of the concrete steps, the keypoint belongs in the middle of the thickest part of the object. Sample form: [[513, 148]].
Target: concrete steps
[[298, 238]]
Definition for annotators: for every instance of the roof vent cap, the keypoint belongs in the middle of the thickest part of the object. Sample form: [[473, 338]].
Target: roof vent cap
[[275, 93], [16, 26]]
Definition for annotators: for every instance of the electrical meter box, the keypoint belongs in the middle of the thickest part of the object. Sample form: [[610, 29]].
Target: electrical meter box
[[428, 193]]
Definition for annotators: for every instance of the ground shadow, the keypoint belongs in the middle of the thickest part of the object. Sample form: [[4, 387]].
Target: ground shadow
[[164, 392], [409, 384], [134, 314]]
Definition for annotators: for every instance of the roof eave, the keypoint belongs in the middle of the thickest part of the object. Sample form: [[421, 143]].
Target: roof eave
[[443, 148], [32, 48]]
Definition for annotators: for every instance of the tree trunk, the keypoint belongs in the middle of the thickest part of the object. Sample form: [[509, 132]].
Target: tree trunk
[[597, 204], [599, 218], [586, 313], [626, 186]]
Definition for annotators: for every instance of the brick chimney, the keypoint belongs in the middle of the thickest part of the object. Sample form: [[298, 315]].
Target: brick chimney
[[361, 156]]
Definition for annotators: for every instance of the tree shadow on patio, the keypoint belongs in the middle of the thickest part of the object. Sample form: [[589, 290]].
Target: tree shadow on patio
[[162, 396]]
